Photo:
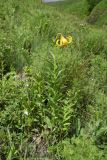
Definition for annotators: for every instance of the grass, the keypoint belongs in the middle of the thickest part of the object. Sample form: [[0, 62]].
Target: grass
[[52, 100], [73, 7]]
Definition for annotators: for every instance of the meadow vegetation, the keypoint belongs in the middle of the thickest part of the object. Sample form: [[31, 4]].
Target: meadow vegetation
[[52, 100]]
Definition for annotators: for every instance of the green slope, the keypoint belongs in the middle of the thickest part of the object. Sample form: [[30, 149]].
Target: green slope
[[99, 14], [75, 7]]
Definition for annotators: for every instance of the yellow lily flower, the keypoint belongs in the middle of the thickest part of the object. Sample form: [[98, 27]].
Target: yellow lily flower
[[62, 41]]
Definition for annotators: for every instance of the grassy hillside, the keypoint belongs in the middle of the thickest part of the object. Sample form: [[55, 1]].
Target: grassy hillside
[[99, 14], [75, 7], [52, 100]]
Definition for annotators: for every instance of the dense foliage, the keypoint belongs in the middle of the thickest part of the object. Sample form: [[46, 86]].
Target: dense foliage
[[52, 100], [92, 3]]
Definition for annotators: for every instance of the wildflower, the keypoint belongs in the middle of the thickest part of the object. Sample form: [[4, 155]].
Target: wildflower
[[63, 41], [26, 112]]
